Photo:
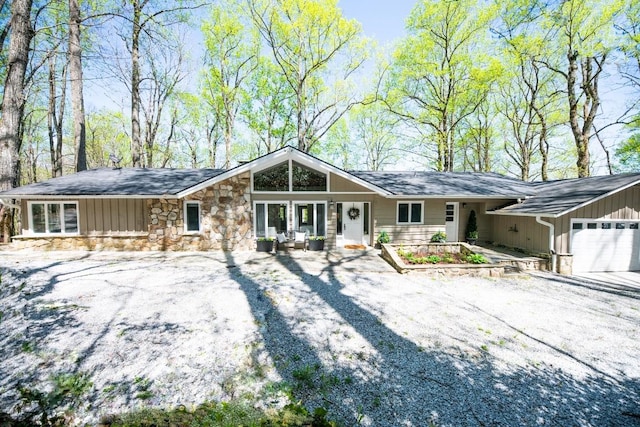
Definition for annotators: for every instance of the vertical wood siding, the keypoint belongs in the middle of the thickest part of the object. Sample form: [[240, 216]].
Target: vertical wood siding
[[622, 205], [384, 214], [520, 232], [103, 216]]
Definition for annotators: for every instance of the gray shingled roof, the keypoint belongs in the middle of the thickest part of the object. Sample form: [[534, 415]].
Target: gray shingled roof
[[554, 198], [449, 184], [118, 182]]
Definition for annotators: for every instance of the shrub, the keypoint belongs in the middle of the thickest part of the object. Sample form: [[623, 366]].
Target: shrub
[[476, 259], [317, 237], [383, 237], [433, 259], [439, 237]]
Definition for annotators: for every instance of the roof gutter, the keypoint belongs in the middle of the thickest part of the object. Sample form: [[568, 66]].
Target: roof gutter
[[552, 240]]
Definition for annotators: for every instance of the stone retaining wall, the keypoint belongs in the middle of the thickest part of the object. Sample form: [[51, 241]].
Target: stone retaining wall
[[389, 253]]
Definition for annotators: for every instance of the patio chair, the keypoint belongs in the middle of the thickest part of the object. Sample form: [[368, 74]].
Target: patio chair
[[281, 239], [300, 240]]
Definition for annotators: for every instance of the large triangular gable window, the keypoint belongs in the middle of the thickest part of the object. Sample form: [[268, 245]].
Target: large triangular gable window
[[307, 179], [284, 178], [275, 178]]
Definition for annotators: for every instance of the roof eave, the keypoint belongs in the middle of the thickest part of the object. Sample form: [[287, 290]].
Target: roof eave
[[528, 214], [456, 196], [273, 158], [602, 196], [88, 196]]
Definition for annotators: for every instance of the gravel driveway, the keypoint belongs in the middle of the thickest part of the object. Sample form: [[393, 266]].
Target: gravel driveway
[[340, 331]]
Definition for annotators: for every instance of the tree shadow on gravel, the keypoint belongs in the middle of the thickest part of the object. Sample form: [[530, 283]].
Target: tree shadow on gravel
[[609, 287], [30, 321], [414, 386], [290, 354]]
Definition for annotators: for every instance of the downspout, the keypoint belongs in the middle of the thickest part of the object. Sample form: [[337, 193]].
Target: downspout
[[552, 241]]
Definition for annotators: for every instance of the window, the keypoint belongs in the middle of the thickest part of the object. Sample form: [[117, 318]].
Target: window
[[592, 225], [339, 219], [289, 176], [606, 226], [633, 226], [409, 212], [275, 178], [306, 179], [577, 226], [620, 225], [311, 218], [365, 220], [192, 217], [54, 217], [270, 219]]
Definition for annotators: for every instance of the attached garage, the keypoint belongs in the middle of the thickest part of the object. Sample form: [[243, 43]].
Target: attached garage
[[605, 245]]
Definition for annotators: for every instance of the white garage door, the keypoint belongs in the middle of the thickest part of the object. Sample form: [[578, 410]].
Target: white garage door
[[605, 245]]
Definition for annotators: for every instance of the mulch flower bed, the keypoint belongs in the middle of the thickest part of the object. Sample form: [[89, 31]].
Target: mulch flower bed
[[423, 257]]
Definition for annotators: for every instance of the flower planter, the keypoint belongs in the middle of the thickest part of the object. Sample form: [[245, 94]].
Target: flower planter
[[264, 245], [316, 245]]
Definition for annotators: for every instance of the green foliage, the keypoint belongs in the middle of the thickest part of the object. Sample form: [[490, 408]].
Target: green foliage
[[143, 385], [305, 375], [628, 154], [225, 414], [476, 259], [383, 237], [44, 408], [413, 259], [309, 38], [433, 259], [439, 237], [317, 238], [439, 75]]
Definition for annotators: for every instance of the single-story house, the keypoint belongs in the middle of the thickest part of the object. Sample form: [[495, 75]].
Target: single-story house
[[587, 224]]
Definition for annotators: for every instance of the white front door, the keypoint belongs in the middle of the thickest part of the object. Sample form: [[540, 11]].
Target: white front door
[[352, 223], [451, 221]]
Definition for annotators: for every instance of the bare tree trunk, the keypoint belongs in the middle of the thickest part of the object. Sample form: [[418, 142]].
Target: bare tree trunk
[[589, 86], [77, 97], [302, 140], [55, 120], [136, 139], [13, 103]]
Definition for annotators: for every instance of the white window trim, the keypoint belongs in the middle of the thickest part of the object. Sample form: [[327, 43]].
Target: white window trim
[[46, 214], [184, 215], [599, 221], [410, 202], [315, 215], [290, 189], [266, 212]]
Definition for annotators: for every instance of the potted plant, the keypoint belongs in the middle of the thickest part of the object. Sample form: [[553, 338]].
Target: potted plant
[[383, 238], [264, 244], [439, 237], [316, 243], [472, 228]]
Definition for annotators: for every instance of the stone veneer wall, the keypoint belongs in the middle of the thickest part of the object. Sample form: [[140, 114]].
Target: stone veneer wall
[[225, 223], [225, 219]]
